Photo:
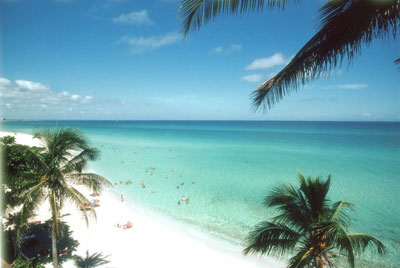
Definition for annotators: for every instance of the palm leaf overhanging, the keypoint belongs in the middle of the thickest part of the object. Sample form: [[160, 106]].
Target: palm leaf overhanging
[[309, 226], [195, 13], [90, 261], [59, 163], [345, 26]]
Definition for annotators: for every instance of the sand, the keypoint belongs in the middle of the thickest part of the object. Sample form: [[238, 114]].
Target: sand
[[153, 241]]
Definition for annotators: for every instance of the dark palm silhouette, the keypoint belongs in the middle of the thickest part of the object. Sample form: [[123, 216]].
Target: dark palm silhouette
[[308, 226], [91, 261], [345, 26]]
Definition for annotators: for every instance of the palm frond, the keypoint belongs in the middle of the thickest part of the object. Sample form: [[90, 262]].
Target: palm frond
[[195, 13], [302, 259], [62, 143], [79, 161], [338, 212], [346, 26], [74, 196], [362, 241], [90, 261], [92, 181], [268, 236], [315, 192], [292, 205], [342, 241]]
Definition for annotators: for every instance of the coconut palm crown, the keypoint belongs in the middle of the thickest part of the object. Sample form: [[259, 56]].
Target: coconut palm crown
[[60, 162], [309, 227], [345, 25]]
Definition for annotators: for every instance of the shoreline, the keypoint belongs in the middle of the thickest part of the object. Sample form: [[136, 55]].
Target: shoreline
[[153, 240]]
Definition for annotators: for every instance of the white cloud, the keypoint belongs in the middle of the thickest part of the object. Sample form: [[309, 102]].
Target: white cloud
[[134, 18], [24, 85], [231, 49], [217, 50], [234, 48], [264, 63], [353, 86], [4, 82], [253, 78], [25, 98], [140, 44], [258, 77]]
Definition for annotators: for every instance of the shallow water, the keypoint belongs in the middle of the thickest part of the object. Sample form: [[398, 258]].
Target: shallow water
[[228, 167]]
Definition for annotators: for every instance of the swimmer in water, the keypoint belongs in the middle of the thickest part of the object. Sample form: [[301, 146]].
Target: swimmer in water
[[143, 185]]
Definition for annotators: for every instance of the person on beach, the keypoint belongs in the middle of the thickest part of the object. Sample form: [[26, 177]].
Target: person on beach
[[143, 185], [128, 225], [122, 198]]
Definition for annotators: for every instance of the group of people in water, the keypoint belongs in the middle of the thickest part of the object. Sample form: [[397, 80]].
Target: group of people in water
[[184, 198]]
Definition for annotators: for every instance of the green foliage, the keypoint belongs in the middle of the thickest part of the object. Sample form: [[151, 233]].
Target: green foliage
[[17, 161], [91, 261], [37, 244], [22, 263], [308, 224]]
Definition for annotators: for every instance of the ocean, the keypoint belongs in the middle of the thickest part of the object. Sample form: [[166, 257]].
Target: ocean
[[226, 168]]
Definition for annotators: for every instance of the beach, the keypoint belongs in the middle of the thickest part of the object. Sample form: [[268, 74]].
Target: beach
[[153, 241]]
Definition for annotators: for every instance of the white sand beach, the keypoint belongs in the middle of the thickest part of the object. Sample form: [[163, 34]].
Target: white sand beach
[[152, 241]]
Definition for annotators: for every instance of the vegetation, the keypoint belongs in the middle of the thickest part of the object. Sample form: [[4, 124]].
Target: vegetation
[[36, 246], [91, 261], [309, 226], [22, 263], [345, 26], [51, 171]]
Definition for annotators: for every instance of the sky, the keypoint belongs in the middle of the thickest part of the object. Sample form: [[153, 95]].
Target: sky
[[129, 60]]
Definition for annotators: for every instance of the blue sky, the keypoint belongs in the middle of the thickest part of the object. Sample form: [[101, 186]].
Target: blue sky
[[121, 59]]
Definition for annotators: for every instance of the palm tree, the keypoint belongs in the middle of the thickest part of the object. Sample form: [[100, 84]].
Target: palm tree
[[345, 26], [91, 261], [310, 226], [58, 164]]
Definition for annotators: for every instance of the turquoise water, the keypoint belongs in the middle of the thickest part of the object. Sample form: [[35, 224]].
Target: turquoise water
[[228, 167]]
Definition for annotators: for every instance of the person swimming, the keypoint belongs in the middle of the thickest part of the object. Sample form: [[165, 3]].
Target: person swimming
[[143, 185]]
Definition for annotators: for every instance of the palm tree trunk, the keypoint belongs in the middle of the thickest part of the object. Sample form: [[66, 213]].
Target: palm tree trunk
[[54, 247]]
